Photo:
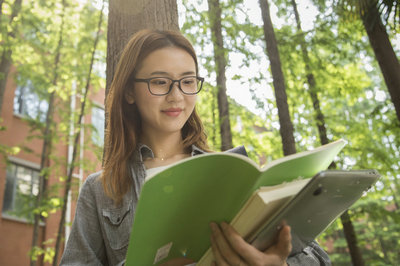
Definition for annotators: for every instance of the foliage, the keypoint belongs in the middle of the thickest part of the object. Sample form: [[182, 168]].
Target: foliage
[[47, 252], [353, 99], [389, 11], [350, 87], [352, 95], [33, 55], [240, 40]]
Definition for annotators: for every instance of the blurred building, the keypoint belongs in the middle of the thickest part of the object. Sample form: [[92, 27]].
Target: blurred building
[[20, 163]]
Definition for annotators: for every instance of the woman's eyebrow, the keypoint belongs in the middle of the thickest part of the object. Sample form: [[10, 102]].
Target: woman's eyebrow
[[189, 73], [166, 73], [158, 73]]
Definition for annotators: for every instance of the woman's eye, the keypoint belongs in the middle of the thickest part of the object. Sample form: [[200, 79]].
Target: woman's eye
[[159, 82], [188, 81]]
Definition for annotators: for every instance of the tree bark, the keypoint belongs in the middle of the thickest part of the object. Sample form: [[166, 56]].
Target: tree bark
[[286, 126], [6, 61], [71, 167], [351, 239], [126, 17], [384, 54], [214, 12], [313, 92], [214, 119], [5, 65], [47, 141], [348, 228], [1, 7]]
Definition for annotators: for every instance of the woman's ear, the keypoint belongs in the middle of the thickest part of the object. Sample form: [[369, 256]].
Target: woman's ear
[[129, 96]]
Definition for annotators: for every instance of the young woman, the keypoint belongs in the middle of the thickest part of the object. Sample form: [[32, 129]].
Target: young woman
[[153, 123]]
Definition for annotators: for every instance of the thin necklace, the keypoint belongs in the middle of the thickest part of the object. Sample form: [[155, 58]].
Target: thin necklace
[[166, 158]]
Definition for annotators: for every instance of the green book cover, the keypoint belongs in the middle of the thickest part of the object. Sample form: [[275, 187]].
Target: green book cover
[[176, 206]]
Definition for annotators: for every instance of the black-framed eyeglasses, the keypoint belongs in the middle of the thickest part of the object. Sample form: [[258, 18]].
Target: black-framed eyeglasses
[[162, 86]]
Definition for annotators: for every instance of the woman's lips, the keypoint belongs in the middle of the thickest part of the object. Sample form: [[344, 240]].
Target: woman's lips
[[172, 111]]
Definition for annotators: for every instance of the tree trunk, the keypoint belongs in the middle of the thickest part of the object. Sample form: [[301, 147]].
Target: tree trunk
[[5, 63], [351, 239], [286, 126], [1, 8], [71, 167], [384, 54], [125, 17], [319, 116], [214, 12], [384, 250], [214, 119], [348, 228], [47, 141]]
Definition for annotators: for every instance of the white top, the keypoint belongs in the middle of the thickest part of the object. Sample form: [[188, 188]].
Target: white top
[[153, 171]]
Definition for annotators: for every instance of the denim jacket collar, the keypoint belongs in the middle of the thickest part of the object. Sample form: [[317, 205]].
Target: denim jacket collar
[[145, 151]]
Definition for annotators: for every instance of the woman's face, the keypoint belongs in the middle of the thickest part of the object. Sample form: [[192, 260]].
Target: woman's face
[[168, 113]]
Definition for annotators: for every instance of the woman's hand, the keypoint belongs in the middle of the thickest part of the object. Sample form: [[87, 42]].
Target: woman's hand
[[230, 248]]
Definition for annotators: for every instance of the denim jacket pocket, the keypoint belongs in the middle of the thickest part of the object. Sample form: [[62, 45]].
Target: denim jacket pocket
[[117, 224]]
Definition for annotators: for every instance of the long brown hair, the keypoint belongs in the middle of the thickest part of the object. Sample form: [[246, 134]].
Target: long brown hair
[[124, 124]]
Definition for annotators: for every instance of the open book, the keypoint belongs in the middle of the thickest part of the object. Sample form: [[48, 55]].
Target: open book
[[309, 206], [176, 206]]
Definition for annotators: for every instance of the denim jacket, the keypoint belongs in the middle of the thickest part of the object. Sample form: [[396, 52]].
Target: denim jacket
[[100, 231]]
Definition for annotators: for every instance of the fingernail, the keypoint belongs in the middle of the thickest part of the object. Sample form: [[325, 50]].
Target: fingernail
[[224, 225]]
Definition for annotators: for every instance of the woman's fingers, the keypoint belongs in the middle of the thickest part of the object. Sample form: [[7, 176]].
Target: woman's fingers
[[223, 252], [284, 245], [231, 249], [279, 252], [217, 255], [250, 254]]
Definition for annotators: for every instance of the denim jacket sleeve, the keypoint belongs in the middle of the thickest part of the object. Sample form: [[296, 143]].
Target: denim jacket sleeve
[[100, 232], [311, 255], [85, 244]]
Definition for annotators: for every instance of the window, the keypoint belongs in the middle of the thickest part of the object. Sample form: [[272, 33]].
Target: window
[[22, 187], [99, 64], [28, 103], [98, 125]]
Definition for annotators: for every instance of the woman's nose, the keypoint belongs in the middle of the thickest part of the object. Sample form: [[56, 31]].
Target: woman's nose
[[175, 92]]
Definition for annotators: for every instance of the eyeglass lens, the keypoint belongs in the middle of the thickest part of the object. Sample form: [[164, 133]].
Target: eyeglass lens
[[189, 85]]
